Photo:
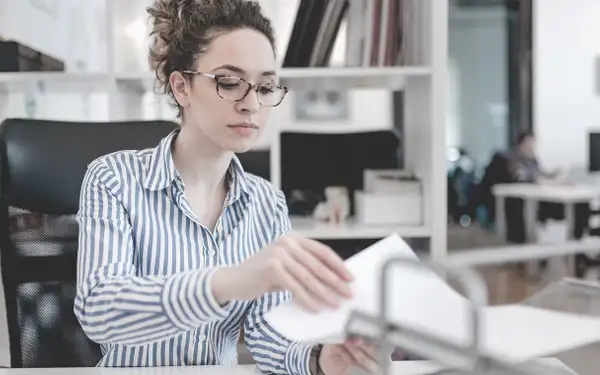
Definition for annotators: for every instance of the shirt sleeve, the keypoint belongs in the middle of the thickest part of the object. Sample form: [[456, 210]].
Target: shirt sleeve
[[273, 353], [113, 304]]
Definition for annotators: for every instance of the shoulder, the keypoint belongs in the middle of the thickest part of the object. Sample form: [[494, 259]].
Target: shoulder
[[118, 168], [264, 192]]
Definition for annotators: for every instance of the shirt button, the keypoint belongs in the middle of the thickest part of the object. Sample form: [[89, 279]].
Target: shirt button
[[211, 252], [201, 337]]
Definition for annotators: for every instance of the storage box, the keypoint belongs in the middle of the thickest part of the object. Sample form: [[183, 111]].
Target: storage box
[[390, 181], [386, 209], [15, 57], [51, 64]]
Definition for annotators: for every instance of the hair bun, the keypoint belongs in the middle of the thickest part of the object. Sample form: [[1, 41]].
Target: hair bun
[[168, 19]]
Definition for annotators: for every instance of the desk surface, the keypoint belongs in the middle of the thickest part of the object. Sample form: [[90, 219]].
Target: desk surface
[[555, 193], [398, 368]]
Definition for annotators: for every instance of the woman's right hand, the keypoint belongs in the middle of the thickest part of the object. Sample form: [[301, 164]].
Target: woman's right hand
[[312, 272]]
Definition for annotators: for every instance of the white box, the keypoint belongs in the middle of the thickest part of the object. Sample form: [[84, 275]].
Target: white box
[[390, 181], [385, 209]]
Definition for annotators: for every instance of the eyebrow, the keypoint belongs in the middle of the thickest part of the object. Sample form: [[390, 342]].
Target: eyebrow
[[239, 70]]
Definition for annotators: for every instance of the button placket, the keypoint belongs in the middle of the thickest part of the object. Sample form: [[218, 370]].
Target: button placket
[[199, 336]]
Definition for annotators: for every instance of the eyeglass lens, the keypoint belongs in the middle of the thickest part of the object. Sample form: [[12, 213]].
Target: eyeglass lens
[[234, 89]]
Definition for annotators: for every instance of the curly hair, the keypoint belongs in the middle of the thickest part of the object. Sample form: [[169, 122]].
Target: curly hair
[[183, 29]]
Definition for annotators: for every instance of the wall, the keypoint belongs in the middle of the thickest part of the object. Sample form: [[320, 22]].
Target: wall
[[66, 29], [566, 107], [478, 72], [18, 16]]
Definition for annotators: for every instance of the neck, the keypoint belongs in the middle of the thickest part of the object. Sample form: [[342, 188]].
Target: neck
[[201, 164]]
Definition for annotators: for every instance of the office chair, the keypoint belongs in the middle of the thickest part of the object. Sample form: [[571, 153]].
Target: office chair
[[43, 163], [584, 263]]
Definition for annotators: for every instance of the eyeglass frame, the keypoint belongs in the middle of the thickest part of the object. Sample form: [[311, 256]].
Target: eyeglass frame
[[251, 86]]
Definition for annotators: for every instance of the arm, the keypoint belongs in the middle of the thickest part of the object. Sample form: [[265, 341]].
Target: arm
[[519, 172], [113, 304], [273, 353]]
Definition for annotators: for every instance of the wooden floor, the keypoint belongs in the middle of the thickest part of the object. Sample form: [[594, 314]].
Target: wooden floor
[[507, 285]]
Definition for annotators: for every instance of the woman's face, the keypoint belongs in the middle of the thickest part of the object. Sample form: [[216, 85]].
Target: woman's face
[[230, 125]]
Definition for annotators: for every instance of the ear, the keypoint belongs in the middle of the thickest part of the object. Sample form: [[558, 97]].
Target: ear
[[181, 88]]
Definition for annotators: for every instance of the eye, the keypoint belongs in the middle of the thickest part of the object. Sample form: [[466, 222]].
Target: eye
[[266, 89], [228, 83]]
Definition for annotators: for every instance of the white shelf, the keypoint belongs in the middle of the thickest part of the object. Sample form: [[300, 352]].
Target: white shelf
[[352, 230], [392, 78], [55, 81]]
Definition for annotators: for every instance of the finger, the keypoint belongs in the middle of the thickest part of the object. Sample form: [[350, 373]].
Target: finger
[[362, 358], [370, 349], [299, 293], [346, 356], [319, 269], [309, 283], [327, 256]]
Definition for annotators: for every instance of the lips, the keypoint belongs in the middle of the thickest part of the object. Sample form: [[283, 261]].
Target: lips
[[248, 125], [244, 129]]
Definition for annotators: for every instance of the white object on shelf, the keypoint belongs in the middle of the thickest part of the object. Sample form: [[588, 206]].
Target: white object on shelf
[[351, 229], [389, 209], [390, 181]]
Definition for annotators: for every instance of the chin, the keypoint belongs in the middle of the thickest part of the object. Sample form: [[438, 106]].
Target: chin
[[239, 146]]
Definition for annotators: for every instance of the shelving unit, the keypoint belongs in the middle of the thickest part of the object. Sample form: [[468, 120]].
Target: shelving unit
[[351, 230], [392, 78], [130, 96]]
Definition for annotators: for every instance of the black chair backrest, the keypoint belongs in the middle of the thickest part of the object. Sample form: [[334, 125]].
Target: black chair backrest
[[496, 172], [43, 164]]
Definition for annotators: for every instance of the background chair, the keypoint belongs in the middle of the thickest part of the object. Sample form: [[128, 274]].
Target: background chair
[[43, 163]]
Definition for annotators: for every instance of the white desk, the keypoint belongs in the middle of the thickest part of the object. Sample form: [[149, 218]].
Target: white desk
[[398, 368], [532, 194]]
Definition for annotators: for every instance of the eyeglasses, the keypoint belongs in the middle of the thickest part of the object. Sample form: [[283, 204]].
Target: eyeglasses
[[235, 89]]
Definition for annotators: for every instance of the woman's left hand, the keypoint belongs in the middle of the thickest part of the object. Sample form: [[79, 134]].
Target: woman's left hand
[[339, 359]]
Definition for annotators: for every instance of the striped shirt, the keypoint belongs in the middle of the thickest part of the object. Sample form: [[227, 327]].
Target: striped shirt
[[145, 264]]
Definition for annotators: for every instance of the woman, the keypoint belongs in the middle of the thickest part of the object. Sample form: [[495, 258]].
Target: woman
[[178, 246]]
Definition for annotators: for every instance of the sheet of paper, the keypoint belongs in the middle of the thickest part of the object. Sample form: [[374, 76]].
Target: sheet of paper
[[420, 299]]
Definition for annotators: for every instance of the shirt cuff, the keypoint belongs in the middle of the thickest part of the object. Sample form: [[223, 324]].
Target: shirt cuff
[[297, 359], [188, 299]]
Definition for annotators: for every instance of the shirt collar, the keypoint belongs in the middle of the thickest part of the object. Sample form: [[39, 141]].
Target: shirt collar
[[161, 171], [238, 184]]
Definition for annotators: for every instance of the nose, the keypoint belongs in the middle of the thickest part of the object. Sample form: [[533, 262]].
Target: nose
[[250, 103]]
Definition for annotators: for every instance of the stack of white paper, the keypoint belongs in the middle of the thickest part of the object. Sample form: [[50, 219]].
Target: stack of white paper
[[420, 299]]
